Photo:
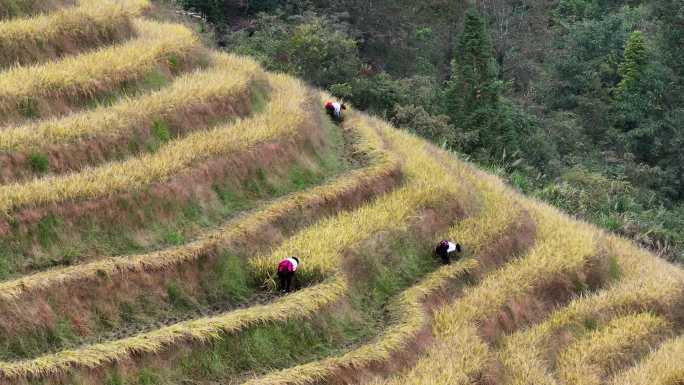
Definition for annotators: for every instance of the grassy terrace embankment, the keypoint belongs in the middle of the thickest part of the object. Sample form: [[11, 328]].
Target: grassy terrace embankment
[[158, 52], [17, 8], [67, 31], [198, 267], [230, 87]]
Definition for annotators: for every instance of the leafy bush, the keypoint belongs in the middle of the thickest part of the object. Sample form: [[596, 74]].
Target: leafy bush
[[311, 47], [39, 162], [417, 120]]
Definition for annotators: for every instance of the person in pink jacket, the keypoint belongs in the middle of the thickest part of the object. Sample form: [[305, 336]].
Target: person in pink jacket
[[286, 272]]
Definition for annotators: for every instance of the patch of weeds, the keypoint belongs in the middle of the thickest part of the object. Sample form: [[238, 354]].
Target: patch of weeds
[[127, 312], [614, 270], [103, 321], [28, 108], [147, 377], [47, 231], [302, 177], [174, 63], [107, 99], [580, 285], [609, 222], [520, 181], [206, 365], [134, 146], [173, 237], [154, 80], [39, 162], [193, 212], [259, 186], [146, 306], [231, 200], [70, 257], [160, 131], [232, 278], [114, 379], [258, 99], [62, 334], [5, 267], [177, 297], [590, 324]]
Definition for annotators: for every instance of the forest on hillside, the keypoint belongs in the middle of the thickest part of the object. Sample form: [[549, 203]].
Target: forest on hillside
[[576, 102]]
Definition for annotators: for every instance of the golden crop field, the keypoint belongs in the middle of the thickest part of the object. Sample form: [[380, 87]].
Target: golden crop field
[[150, 185]]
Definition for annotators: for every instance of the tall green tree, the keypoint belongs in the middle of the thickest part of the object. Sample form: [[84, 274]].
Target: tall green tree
[[474, 83], [635, 59], [483, 120]]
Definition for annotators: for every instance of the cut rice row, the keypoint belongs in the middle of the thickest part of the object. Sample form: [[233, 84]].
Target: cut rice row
[[130, 277], [647, 284], [191, 102], [661, 367], [280, 121], [563, 252], [67, 31], [66, 85], [401, 205]]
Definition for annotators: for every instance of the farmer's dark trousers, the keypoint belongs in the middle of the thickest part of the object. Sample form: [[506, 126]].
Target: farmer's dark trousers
[[285, 280]]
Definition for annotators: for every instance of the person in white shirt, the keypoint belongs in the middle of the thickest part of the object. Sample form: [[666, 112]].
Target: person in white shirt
[[445, 250], [335, 109]]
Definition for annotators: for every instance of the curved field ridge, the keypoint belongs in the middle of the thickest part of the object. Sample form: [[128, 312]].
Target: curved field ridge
[[60, 86], [349, 190], [284, 115], [662, 367], [67, 31], [190, 103], [111, 119]]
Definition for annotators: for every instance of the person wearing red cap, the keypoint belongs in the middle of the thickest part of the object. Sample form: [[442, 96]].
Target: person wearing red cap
[[286, 272], [335, 109]]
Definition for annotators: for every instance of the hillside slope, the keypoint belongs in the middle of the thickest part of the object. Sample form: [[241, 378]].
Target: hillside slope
[[150, 185]]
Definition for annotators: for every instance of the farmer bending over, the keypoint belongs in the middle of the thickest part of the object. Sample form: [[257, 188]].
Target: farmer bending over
[[286, 271], [334, 109], [445, 250]]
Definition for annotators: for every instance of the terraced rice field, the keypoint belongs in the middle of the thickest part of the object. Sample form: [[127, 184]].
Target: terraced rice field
[[149, 186]]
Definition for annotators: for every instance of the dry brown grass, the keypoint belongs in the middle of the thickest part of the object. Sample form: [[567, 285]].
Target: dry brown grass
[[18, 8]]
